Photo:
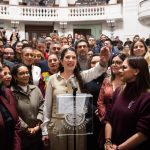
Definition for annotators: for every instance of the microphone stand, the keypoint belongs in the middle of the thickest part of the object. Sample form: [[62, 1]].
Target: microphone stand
[[74, 116]]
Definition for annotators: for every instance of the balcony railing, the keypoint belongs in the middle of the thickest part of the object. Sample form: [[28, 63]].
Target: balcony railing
[[144, 11], [24, 13]]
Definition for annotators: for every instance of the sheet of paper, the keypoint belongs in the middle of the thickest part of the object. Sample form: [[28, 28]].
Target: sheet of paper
[[65, 103]]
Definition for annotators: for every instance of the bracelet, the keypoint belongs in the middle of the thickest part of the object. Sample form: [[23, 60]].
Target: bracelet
[[117, 148], [108, 141]]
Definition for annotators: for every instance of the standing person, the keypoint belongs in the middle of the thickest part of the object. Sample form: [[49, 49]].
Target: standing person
[[8, 63], [48, 41], [126, 49], [9, 121], [100, 41], [8, 53], [28, 60], [41, 46], [109, 85], [70, 40], [127, 126], [108, 43], [30, 108], [60, 84], [82, 48], [53, 65], [38, 56], [18, 52], [63, 41], [136, 38], [147, 41], [93, 87], [55, 48], [7, 76], [14, 38], [93, 46], [139, 48]]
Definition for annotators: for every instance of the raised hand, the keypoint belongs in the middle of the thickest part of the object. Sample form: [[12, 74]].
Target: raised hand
[[104, 56]]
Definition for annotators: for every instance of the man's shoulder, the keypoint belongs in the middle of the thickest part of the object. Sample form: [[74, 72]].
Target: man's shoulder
[[44, 65], [9, 63]]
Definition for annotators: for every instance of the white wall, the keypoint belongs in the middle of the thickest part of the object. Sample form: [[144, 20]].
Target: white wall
[[131, 24], [128, 27]]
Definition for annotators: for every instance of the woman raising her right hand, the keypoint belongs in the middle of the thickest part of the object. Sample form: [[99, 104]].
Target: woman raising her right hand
[[60, 84]]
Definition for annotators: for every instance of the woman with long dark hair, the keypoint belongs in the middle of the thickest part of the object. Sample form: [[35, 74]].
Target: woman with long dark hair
[[9, 121], [60, 84], [109, 85], [127, 125]]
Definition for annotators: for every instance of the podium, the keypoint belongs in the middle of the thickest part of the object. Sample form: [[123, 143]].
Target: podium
[[76, 113]]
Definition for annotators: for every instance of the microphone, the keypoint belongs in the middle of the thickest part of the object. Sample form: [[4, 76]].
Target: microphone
[[73, 83]]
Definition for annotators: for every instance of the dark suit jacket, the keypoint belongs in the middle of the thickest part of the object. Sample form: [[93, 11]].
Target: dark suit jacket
[[9, 103], [44, 66]]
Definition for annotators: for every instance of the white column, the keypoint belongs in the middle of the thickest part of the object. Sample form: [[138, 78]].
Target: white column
[[113, 2], [71, 2], [13, 2], [63, 3]]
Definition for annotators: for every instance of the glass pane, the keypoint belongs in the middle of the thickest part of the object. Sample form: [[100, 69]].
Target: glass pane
[[75, 113]]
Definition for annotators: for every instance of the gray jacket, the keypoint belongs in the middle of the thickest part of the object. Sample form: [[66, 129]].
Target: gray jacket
[[29, 105]]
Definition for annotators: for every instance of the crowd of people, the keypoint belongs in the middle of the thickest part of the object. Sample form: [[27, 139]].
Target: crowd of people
[[34, 73]]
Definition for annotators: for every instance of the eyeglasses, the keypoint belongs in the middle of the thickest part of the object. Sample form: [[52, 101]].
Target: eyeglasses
[[80, 46], [54, 48], [23, 73], [116, 62]]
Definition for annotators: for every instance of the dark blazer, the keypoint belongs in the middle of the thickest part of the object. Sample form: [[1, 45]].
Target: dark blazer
[[9, 103], [44, 66]]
